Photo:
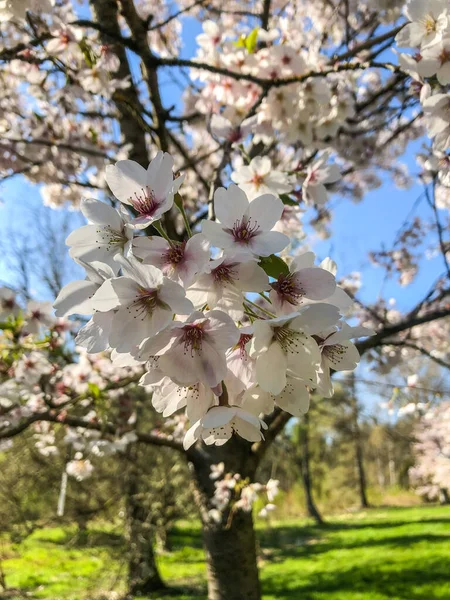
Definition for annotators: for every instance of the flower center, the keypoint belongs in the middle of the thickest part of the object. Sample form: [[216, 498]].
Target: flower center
[[224, 273], [288, 339], [36, 314], [146, 302], [243, 341], [145, 203], [175, 254], [243, 231], [192, 339], [257, 180], [429, 24], [112, 238], [289, 289], [335, 352]]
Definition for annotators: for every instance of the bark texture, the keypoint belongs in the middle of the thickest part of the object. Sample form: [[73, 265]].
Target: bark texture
[[231, 545], [143, 574], [305, 467]]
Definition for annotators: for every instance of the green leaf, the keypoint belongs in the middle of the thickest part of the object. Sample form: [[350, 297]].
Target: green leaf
[[288, 200], [274, 266], [94, 390], [251, 41], [89, 56]]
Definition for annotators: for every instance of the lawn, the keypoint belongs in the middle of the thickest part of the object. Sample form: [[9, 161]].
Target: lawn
[[378, 554]]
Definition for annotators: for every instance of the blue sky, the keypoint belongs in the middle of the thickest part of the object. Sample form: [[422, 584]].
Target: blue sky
[[357, 227]]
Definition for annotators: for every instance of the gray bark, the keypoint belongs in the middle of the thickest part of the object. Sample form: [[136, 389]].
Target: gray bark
[[231, 545]]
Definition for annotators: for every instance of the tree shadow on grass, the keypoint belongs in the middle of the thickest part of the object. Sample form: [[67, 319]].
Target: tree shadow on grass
[[404, 584]]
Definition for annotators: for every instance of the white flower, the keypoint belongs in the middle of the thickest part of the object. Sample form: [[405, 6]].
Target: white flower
[[194, 351], [212, 35], [168, 397], [17, 9], [244, 226], [38, 315], [8, 305], [429, 19], [217, 470], [285, 343], [145, 301], [223, 129], [66, 39], [79, 469], [436, 109], [303, 281], [94, 336], [225, 284], [436, 61], [318, 175], [149, 191], [293, 398], [260, 178], [106, 236], [219, 424], [338, 353], [181, 261], [30, 368], [76, 296]]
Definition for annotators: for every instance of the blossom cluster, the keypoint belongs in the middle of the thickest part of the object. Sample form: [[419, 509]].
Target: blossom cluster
[[430, 474], [427, 34], [225, 328], [233, 493]]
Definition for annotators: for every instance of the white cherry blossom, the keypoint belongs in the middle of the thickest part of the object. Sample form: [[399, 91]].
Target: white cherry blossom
[[303, 282], [260, 178], [243, 226], [181, 261], [318, 175], [219, 424], [338, 353], [106, 235], [144, 302], [150, 192], [429, 19], [286, 343], [225, 282], [193, 351]]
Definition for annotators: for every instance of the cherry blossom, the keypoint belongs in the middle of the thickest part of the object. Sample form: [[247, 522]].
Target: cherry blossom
[[285, 343], [180, 261], [429, 19], [259, 178], [144, 302], [318, 175], [303, 282], [244, 226], [193, 351], [149, 192], [106, 235], [225, 282], [219, 424]]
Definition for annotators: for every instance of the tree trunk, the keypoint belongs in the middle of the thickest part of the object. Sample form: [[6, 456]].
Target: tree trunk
[[231, 544], [305, 468], [444, 497], [143, 574], [362, 482]]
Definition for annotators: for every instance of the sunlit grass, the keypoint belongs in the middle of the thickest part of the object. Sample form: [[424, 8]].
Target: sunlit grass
[[383, 554]]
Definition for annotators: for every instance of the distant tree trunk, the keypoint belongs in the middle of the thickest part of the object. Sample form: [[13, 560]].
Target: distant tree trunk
[[143, 574], [444, 496], [362, 481], [305, 468], [230, 545]]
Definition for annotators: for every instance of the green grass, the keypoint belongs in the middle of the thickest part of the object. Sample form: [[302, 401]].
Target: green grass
[[379, 554]]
